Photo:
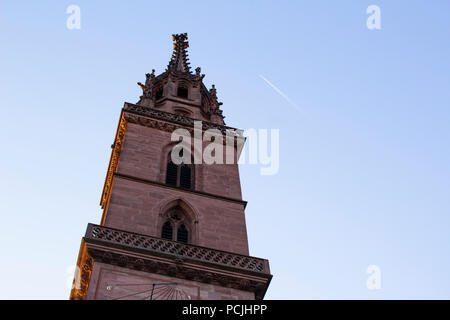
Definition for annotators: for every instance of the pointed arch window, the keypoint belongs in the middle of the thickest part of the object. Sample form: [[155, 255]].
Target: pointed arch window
[[179, 175], [172, 173], [176, 221], [182, 234], [167, 231], [182, 91], [185, 176], [159, 94]]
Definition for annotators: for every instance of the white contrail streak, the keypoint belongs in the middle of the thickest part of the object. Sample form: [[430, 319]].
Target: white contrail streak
[[280, 93]]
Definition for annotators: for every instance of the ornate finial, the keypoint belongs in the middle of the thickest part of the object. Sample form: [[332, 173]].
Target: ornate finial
[[147, 89], [213, 92], [216, 111], [179, 60], [181, 39], [198, 74], [149, 77]]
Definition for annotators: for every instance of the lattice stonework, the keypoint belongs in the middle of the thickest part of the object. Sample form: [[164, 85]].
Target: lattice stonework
[[113, 163], [83, 271], [177, 249]]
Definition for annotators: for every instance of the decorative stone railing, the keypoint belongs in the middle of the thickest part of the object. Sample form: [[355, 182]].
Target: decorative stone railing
[[176, 250]]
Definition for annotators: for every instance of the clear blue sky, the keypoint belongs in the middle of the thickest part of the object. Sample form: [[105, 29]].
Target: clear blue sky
[[365, 163]]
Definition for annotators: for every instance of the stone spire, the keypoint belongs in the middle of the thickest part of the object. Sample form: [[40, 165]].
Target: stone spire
[[180, 61]]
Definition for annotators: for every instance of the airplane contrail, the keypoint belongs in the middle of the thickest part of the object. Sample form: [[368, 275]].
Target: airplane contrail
[[281, 93]]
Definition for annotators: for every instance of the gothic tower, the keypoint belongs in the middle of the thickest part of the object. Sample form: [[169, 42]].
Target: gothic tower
[[168, 230]]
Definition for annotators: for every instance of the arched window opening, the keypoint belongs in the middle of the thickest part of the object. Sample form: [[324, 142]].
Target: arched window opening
[[182, 92], [167, 231], [179, 175], [159, 94], [185, 176], [176, 225], [182, 234], [171, 173]]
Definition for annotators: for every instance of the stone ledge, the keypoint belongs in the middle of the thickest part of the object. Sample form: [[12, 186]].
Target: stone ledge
[[161, 256]]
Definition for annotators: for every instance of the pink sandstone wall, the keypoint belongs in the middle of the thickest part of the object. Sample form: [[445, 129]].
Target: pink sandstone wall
[[112, 282], [135, 206]]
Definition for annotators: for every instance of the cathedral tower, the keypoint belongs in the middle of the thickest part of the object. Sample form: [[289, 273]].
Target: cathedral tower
[[170, 230]]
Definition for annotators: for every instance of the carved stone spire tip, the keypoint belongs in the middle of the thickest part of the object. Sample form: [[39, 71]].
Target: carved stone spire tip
[[179, 60]]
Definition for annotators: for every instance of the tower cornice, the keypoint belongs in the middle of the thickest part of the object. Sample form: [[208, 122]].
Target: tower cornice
[[143, 115]]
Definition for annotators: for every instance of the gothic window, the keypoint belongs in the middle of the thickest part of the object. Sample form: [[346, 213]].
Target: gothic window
[[179, 175], [171, 173], [175, 220], [182, 92], [159, 94], [167, 231], [182, 234], [185, 176]]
